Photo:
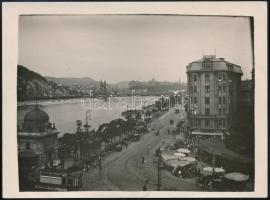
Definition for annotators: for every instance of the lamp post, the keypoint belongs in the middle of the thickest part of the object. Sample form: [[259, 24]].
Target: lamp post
[[213, 164], [159, 172], [132, 94]]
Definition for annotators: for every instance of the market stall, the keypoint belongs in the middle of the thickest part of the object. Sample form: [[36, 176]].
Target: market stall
[[181, 150], [179, 154], [235, 181]]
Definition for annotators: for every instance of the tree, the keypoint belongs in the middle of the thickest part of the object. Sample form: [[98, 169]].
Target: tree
[[130, 124], [79, 126], [148, 114], [103, 132], [119, 127]]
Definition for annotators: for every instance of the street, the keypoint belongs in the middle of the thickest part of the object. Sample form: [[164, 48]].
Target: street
[[124, 171]]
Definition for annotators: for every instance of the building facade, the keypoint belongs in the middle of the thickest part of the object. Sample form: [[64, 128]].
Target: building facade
[[38, 137], [213, 87]]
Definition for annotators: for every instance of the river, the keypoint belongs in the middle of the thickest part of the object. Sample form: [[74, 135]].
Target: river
[[64, 113]]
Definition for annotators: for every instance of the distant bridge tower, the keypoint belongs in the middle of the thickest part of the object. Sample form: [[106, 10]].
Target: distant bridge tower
[[103, 89]]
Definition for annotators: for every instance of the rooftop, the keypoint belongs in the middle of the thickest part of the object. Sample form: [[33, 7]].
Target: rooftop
[[212, 63]]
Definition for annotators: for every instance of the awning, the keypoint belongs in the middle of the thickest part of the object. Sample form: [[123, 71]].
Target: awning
[[189, 159], [236, 176], [169, 157], [179, 137], [177, 163], [183, 150], [209, 170], [27, 154], [207, 133], [179, 154]]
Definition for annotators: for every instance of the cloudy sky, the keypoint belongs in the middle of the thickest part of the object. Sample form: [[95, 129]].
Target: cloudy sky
[[130, 47]]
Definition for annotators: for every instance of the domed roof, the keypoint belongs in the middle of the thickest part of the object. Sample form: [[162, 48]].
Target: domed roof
[[36, 115]]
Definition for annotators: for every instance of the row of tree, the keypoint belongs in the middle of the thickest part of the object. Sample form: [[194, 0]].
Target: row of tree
[[116, 131], [111, 133]]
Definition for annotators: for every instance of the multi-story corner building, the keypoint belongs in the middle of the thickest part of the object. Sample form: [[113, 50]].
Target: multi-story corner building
[[213, 87]]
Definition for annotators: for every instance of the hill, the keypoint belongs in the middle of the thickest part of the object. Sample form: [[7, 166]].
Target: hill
[[31, 85], [73, 82]]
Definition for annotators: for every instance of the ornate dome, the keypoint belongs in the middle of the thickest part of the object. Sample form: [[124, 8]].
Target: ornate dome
[[36, 115], [36, 120]]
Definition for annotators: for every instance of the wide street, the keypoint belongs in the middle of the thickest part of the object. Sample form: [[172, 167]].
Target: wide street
[[123, 171]]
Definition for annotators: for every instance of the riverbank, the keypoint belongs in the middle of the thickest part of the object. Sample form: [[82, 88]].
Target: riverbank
[[78, 97]]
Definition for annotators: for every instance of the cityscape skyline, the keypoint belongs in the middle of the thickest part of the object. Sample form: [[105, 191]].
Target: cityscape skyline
[[159, 46]]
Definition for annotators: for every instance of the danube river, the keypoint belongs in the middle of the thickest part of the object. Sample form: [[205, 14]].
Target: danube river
[[64, 113]]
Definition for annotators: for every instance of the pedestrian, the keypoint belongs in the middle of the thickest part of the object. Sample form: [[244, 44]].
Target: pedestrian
[[144, 187], [143, 160], [99, 162]]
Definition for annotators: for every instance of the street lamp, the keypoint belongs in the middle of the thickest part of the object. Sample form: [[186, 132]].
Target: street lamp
[[132, 94], [159, 172]]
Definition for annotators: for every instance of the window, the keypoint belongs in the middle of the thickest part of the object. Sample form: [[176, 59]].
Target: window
[[206, 100], [224, 88], [207, 123], [219, 78], [219, 88], [219, 100], [29, 129], [195, 78], [224, 111], [224, 123], [27, 146], [199, 123], [207, 65], [219, 123], [207, 111], [207, 89], [195, 88], [220, 111], [207, 78], [194, 100], [216, 123], [224, 100]]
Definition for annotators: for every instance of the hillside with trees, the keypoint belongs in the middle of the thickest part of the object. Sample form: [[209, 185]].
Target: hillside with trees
[[31, 85]]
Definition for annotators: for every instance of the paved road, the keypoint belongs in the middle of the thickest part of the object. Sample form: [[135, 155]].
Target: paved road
[[123, 171]]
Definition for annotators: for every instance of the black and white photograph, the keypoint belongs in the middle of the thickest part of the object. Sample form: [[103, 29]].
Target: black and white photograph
[[135, 102]]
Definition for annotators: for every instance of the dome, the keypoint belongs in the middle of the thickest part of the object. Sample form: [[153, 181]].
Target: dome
[[35, 120], [36, 115]]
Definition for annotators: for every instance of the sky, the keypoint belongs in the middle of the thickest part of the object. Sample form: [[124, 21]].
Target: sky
[[119, 48]]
